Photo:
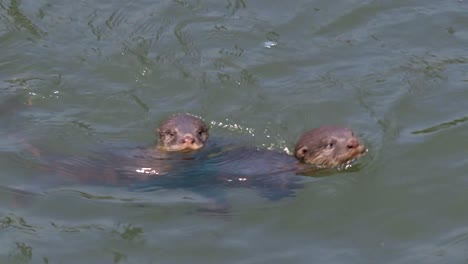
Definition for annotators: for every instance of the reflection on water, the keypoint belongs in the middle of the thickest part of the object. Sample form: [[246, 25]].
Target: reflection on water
[[441, 126], [88, 74]]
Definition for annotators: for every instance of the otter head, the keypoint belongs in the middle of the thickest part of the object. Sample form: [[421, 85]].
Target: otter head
[[182, 132], [328, 146]]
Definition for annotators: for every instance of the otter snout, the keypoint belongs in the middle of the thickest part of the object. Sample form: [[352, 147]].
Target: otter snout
[[353, 143], [188, 139]]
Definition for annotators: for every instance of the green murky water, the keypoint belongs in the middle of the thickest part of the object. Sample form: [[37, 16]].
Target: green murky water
[[106, 72]]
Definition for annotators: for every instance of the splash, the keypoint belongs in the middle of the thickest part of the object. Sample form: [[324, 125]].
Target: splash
[[234, 127], [275, 141]]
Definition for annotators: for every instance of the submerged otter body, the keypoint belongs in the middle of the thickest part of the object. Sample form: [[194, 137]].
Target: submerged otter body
[[178, 161], [273, 174], [179, 138], [321, 148]]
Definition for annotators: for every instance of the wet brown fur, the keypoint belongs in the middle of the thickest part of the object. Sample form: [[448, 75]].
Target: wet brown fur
[[182, 132], [328, 146]]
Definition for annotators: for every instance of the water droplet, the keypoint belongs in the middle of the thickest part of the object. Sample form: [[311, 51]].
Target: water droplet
[[270, 44]]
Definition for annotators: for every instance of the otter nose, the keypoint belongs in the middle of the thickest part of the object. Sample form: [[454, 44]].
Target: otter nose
[[353, 143], [188, 139]]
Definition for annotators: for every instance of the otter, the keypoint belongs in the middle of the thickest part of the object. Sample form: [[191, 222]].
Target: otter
[[182, 132], [274, 174], [179, 137], [328, 147], [175, 161]]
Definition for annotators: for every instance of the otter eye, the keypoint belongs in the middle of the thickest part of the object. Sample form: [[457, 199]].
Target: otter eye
[[170, 133], [330, 145]]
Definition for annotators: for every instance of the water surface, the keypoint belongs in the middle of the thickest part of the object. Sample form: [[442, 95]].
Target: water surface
[[104, 73]]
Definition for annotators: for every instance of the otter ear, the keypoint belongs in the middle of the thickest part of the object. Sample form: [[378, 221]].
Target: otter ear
[[301, 152], [159, 132]]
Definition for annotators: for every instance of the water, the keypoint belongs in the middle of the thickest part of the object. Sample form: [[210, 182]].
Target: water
[[262, 72]]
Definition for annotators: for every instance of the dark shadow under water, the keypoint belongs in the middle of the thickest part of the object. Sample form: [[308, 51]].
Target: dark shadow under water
[[209, 172]]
